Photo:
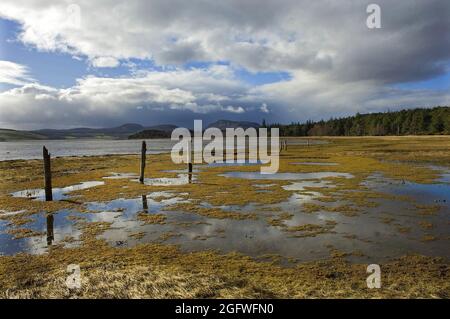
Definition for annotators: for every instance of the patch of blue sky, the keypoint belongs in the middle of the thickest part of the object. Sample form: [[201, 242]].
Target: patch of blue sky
[[61, 70], [48, 68], [251, 78], [261, 78], [441, 82]]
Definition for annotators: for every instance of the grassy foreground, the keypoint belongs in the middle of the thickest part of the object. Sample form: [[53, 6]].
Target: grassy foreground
[[158, 270]]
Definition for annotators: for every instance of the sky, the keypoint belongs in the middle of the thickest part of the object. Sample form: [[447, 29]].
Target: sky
[[105, 63]]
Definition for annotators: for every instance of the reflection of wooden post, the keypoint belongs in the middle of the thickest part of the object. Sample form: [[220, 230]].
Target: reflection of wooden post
[[47, 175], [189, 157], [50, 236], [143, 154], [144, 203]]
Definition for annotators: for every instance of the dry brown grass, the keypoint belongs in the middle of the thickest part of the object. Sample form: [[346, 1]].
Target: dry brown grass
[[162, 271]]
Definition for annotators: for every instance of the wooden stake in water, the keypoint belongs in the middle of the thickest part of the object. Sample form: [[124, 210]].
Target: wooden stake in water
[[143, 157], [47, 175]]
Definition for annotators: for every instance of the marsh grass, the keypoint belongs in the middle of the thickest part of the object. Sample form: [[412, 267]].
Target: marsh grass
[[162, 271], [157, 270]]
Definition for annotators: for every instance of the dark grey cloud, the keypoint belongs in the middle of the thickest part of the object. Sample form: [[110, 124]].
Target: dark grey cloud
[[336, 64]]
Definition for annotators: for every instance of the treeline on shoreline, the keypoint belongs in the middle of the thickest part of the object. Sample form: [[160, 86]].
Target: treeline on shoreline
[[420, 121]]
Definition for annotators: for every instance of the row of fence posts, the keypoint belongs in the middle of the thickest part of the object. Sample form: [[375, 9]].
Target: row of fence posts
[[48, 170], [48, 179], [49, 191]]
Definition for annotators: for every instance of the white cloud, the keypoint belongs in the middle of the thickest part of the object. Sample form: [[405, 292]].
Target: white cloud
[[13, 73], [199, 91], [259, 35], [234, 109], [105, 62], [179, 96], [264, 108], [311, 96]]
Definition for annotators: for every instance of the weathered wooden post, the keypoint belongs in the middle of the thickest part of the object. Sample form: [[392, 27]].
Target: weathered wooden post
[[144, 203], [285, 145], [143, 156], [47, 175], [189, 157]]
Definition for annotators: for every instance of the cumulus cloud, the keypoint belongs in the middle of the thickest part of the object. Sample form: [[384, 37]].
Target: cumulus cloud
[[139, 98], [336, 65], [319, 36], [264, 108], [311, 96], [179, 96], [105, 62]]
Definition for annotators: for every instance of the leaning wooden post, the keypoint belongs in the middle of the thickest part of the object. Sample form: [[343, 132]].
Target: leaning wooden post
[[143, 155], [189, 157], [47, 175]]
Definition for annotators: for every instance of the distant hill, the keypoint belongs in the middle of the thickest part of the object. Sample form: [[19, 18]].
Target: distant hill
[[150, 134], [119, 132], [7, 135], [223, 124], [164, 127]]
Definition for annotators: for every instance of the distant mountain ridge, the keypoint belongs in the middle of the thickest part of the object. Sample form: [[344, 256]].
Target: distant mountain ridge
[[9, 135], [150, 134], [119, 132], [125, 131]]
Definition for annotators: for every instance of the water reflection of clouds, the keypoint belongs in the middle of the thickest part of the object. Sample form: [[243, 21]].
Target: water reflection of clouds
[[58, 193], [372, 236], [61, 228], [181, 179], [286, 176]]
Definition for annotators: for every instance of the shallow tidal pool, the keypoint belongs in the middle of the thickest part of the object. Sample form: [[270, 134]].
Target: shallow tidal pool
[[392, 227]]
